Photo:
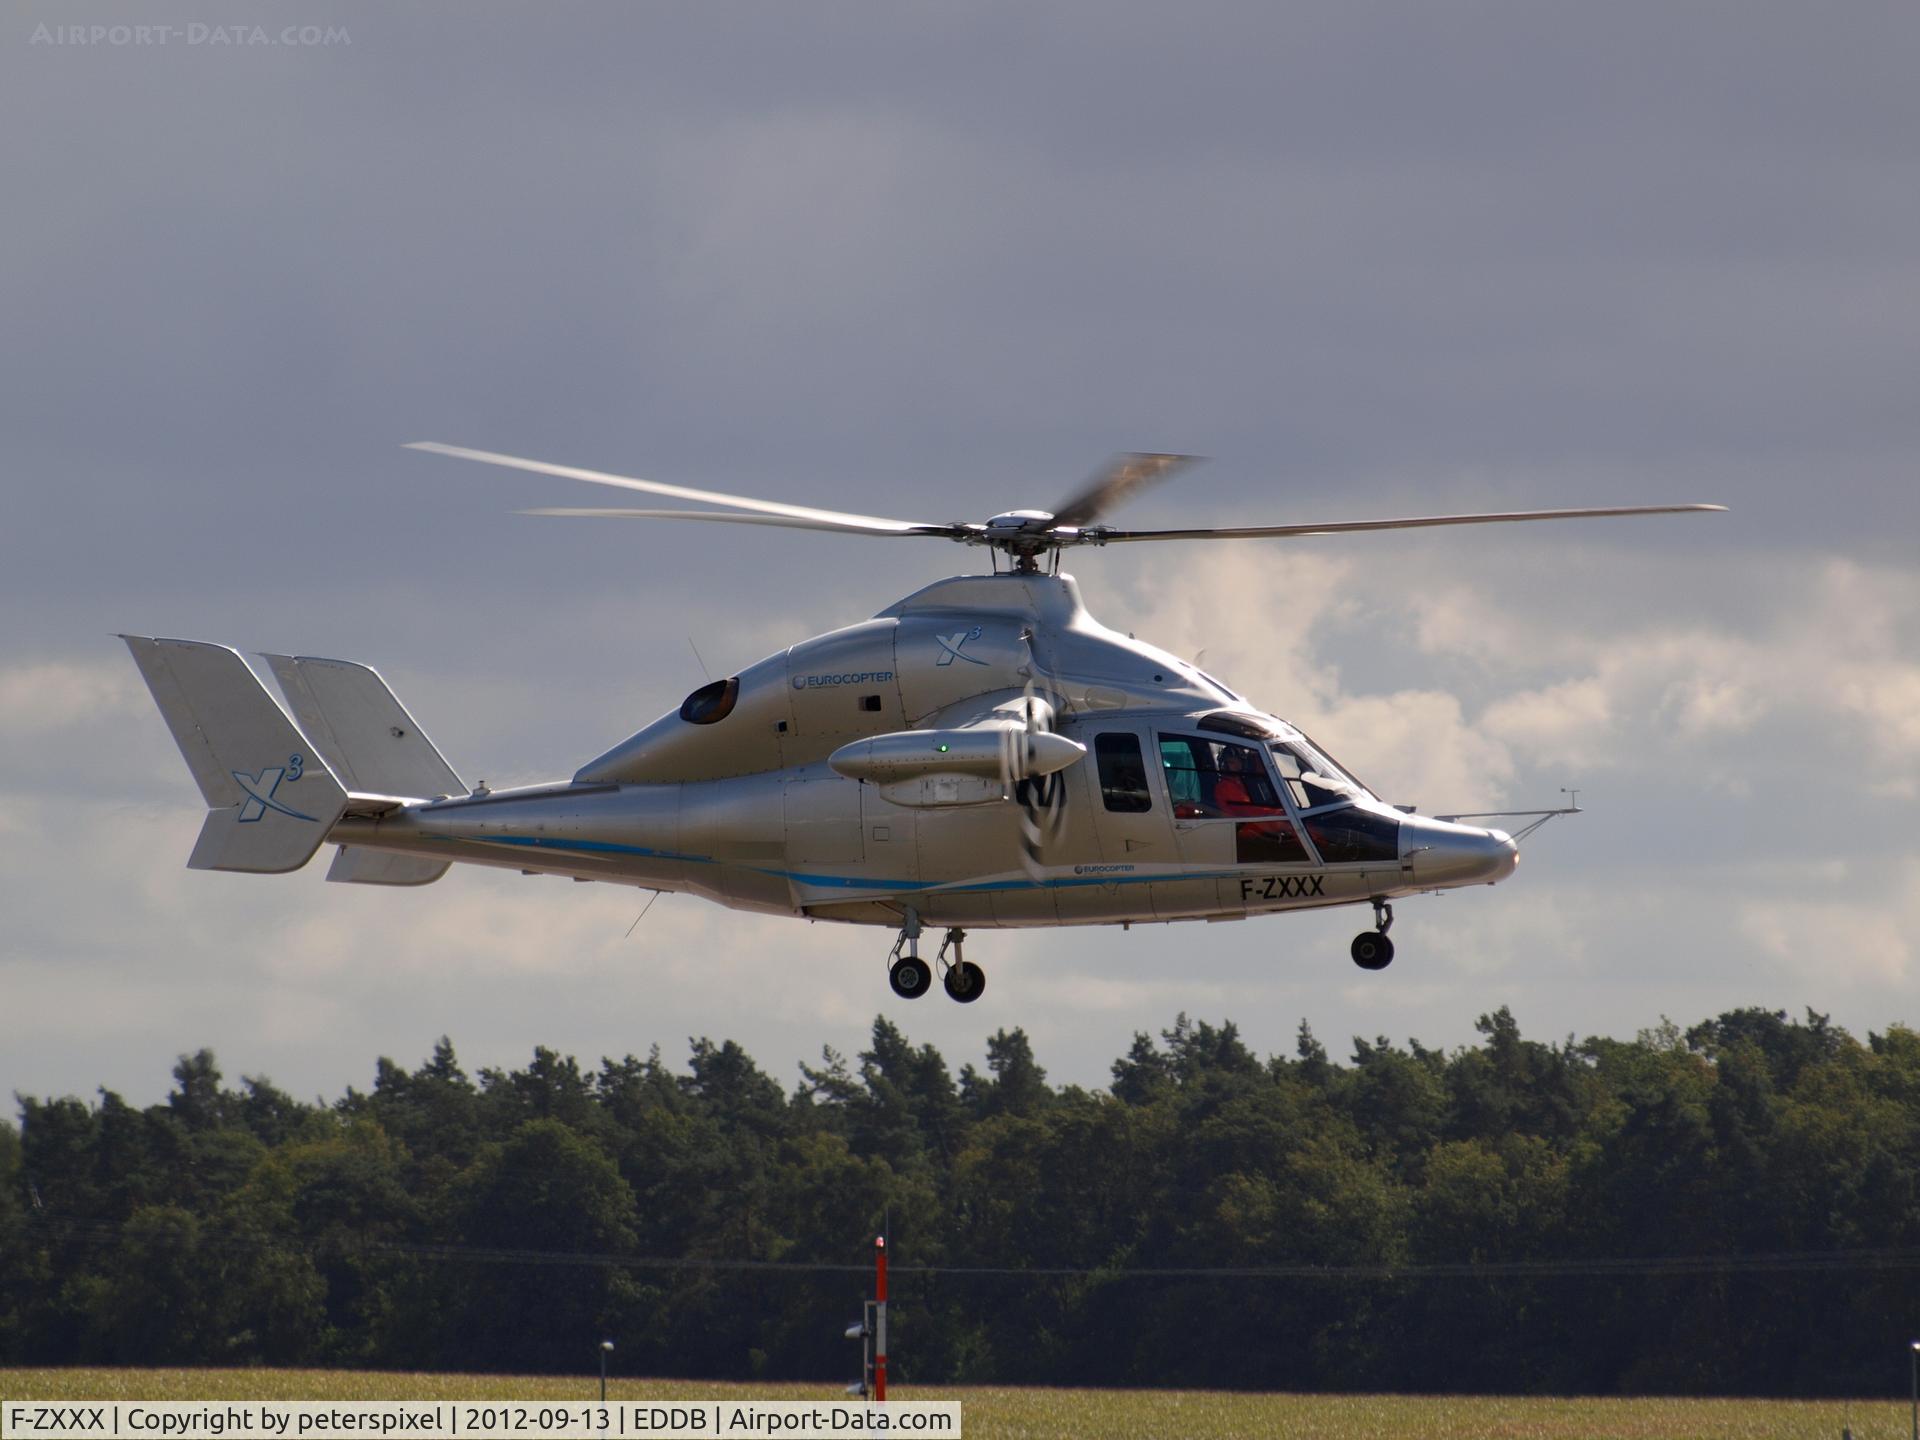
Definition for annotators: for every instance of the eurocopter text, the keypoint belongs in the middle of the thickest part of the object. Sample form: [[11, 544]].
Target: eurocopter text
[[981, 754]]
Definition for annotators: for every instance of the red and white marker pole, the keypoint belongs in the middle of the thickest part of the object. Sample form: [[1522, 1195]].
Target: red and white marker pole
[[880, 1317]]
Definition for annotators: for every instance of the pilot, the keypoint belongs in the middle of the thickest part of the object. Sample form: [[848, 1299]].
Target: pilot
[[1239, 782]]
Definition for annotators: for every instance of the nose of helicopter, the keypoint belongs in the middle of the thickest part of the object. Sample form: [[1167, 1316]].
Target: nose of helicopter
[[1444, 854]]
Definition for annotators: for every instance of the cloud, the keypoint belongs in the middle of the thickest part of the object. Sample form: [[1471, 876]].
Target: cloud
[[1273, 634], [1826, 656], [936, 264], [40, 698], [1852, 929]]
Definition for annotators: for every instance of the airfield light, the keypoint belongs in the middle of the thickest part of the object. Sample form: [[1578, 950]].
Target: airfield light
[[1914, 1355], [880, 1316], [606, 1346]]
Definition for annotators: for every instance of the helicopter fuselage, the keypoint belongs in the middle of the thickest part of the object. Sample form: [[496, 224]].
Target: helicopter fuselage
[[852, 778]]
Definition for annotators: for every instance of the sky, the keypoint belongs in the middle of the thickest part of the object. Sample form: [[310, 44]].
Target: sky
[[937, 261]]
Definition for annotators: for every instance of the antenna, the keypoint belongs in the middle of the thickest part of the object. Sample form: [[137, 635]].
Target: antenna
[[641, 916]]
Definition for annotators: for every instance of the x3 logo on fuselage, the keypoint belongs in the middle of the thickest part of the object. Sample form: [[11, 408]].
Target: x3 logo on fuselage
[[260, 789], [950, 647]]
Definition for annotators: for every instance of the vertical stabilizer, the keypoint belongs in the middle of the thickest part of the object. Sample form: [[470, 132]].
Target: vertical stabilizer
[[270, 798], [373, 744]]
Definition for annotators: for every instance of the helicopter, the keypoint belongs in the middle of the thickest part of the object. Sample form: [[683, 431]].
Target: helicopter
[[981, 754]]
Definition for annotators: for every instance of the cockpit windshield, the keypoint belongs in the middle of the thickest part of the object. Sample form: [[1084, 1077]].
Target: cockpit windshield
[[1312, 777]]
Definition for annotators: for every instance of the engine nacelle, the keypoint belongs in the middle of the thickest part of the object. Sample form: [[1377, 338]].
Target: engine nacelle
[[1000, 753]]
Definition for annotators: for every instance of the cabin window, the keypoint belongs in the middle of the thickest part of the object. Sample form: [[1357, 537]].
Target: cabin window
[[711, 703], [1210, 779], [1123, 773]]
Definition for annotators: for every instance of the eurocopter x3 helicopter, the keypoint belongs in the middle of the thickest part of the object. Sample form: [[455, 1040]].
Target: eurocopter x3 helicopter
[[983, 753]]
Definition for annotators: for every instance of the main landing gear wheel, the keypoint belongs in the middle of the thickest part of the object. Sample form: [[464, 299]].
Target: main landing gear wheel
[[910, 977], [1372, 950], [965, 981]]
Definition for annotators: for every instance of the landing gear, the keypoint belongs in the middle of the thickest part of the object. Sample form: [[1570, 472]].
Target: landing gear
[[911, 976], [908, 974], [965, 981], [1372, 950]]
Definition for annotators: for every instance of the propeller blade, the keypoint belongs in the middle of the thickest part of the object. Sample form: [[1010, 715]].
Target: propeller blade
[[1037, 789], [1103, 536], [875, 524], [849, 526], [1124, 477]]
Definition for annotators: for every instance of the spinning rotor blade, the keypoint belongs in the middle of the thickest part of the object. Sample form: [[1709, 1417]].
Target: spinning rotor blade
[[869, 524], [1124, 477], [850, 525], [1103, 536]]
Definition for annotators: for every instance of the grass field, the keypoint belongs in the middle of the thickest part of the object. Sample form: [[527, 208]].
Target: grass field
[[1014, 1414]]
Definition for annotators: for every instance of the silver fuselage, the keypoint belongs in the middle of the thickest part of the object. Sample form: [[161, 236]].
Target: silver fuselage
[[746, 810]]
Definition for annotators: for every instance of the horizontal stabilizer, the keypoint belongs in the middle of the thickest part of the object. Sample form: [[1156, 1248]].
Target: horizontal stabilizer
[[270, 799], [357, 865], [368, 736]]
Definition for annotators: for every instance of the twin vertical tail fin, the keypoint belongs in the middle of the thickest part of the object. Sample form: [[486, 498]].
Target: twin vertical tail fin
[[374, 745], [276, 784], [270, 798]]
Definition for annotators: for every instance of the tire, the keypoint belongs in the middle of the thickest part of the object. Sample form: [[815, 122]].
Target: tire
[[910, 976], [966, 981], [1372, 950]]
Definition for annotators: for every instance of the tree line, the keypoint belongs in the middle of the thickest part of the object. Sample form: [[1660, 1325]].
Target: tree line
[[1732, 1208]]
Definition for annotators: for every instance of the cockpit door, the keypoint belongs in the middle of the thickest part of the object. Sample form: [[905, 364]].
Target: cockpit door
[[1227, 811]]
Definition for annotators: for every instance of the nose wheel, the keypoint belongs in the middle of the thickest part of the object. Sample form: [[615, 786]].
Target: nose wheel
[[1371, 949]]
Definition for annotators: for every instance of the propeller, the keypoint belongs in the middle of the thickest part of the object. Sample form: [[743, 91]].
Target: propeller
[[1023, 534], [1042, 798]]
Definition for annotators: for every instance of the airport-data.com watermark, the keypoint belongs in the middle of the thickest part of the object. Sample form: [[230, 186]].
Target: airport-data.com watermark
[[192, 34]]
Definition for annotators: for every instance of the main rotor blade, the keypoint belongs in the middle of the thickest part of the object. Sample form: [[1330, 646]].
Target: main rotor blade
[[1124, 477], [875, 524], [1103, 536], [849, 526]]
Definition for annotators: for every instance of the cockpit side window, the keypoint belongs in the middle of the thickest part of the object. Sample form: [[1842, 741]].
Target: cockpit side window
[[711, 704], [1123, 773], [1208, 778], [1319, 760], [1308, 778]]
